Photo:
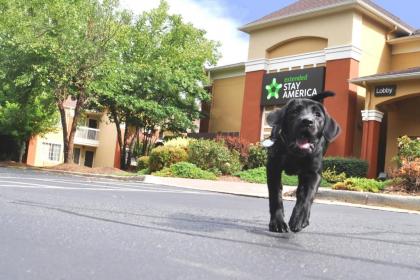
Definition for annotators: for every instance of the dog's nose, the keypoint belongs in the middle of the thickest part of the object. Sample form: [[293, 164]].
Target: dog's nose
[[307, 122]]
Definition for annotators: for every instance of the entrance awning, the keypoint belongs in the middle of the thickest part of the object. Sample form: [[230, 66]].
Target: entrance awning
[[401, 75]]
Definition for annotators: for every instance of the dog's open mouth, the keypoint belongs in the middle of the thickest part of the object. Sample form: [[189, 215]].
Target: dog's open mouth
[[305, 144]]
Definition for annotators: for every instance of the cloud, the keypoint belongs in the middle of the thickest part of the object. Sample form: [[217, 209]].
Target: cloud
[[209, 15]]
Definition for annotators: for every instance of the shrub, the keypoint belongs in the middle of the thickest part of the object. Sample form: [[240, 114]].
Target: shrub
[[185, 170], [332, 176], [257, 156], [361, 184], [144, 171], [352, 167], [162, 156], [409, 149], [143, 162], [407, 176], [259, 175], [214, 156], [179, 142], [237, 144]]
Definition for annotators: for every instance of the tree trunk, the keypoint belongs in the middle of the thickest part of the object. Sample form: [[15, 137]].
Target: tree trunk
[[77, 110], [119, 134], [64, 128], [22, 151], [131, 146]]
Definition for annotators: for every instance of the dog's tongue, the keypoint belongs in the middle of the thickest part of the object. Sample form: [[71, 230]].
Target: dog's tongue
[[303, 144]]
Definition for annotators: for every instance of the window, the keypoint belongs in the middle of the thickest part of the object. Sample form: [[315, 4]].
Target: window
[[52, 151]]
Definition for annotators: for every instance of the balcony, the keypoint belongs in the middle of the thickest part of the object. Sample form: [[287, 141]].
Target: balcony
[[87, 136]]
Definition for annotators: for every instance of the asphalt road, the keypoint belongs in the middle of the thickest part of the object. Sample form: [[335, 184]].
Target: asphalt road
[[67, 227]]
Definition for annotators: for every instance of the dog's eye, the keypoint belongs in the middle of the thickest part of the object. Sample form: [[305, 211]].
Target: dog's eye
[[318, 114]]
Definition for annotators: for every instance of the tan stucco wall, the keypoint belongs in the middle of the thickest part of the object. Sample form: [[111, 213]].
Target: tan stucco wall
[[41, 156], [403, 119], [405, 89], [104, 156], [335, 28], [406, 60], [226, 104], [297, 46]]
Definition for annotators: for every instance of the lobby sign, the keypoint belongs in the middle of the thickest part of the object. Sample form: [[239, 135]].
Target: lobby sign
[[280, 87], [384, 91]]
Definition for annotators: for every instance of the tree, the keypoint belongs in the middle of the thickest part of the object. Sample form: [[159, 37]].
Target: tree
[[158, 80], [70, 40]]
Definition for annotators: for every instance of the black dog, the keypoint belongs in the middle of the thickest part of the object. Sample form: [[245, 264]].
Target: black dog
[[302, 130]]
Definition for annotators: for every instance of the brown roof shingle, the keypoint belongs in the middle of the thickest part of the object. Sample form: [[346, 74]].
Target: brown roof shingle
[[302, 6]]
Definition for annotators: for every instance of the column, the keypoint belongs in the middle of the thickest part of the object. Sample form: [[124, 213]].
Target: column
[[370, 141]]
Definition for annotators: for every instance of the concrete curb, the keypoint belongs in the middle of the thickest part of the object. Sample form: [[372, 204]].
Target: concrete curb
[[95, 175]]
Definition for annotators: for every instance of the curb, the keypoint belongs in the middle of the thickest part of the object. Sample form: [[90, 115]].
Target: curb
[[95, 175], [371, 199]]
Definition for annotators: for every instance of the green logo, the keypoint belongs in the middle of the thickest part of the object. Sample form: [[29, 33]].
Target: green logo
[[273, 89]]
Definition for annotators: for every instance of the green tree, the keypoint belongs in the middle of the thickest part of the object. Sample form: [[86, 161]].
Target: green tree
[[158, 82], [68, 41]]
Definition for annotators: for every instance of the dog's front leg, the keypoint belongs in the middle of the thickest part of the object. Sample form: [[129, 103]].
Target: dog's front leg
[[305, 194], [275, 188]]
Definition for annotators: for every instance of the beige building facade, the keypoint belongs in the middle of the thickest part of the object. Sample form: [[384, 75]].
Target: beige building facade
[[360, 47]]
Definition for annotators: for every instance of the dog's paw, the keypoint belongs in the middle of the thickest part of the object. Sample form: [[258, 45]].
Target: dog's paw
[[278, 226], [298, 222]]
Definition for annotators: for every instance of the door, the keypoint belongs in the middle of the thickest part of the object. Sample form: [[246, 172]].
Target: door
[[89, 158], [76, 155]]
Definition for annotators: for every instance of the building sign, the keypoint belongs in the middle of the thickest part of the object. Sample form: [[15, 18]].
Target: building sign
[[280, 87], [382, 91]]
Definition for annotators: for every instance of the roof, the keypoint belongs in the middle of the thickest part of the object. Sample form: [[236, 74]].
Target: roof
[[302, 7], [405, 74]]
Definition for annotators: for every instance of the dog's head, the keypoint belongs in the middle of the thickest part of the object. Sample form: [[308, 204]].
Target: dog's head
[[302, 123]]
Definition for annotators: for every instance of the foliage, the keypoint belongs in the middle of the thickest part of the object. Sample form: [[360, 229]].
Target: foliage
[[257, 156], [144, 171], [161, 157], [408, 149], [352, 167], [407, 176], [259, 175], [213, 156], [332, 176], [143, 162], [238, 144], [185, 170], [361, 184], [159, 76], [180, 142]]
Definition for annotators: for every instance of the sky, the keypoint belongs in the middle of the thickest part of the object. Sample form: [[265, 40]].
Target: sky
[[221, 18]]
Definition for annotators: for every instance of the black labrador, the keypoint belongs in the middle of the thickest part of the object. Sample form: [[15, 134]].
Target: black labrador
[[302, 130]]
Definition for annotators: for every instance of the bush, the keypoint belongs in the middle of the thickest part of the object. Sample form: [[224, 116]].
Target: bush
[[407, 177], [257, 157], [185, 170], [162, 156], [408, 149], [179, 142], [144, 171], [237, 144], [332, 176], [259, 175], [143, 162], [361, 184], [352, 167], [213, 156]]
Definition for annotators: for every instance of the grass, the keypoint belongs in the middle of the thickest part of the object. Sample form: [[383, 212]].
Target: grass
[[258, 175], [361, 185]]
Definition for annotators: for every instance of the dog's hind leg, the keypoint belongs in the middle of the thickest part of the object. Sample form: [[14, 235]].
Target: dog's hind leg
[[305, 194], [275, 188]]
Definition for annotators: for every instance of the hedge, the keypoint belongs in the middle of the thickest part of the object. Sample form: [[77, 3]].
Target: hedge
[[352, 167]]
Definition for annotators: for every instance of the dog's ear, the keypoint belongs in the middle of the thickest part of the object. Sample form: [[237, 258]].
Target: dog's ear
[[276, 117], [320, 97], [331, 128]]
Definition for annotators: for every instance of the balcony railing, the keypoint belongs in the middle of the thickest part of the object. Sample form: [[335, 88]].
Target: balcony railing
[[87, 136]]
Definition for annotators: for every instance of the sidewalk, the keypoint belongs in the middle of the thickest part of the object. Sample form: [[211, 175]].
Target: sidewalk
[[411, 203]]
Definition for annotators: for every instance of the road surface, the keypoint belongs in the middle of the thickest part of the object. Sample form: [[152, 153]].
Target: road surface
[[67, 227]]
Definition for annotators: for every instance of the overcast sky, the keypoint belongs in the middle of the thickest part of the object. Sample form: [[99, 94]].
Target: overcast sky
[[221, 18]]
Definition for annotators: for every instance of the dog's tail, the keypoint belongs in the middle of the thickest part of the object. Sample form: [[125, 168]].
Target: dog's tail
[[320, 97]]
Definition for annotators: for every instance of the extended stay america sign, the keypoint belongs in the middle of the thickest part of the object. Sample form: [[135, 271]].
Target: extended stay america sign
[[280, 87]]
